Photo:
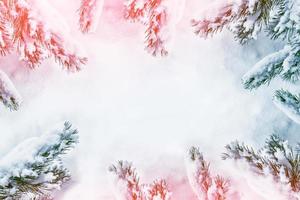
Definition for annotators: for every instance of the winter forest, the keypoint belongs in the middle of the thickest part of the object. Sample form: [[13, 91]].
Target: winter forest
[[150, 99]]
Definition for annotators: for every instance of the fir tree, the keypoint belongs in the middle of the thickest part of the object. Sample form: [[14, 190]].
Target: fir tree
[[34, 168], [280, 19], [128, 186], [205, 186]]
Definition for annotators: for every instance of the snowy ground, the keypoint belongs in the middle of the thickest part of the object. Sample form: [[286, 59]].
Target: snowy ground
[[128, 105]]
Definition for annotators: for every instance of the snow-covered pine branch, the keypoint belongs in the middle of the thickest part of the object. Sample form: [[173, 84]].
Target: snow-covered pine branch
[[277, 159], [5, 35], [22, 29], [155, 34], [244, 18], [127, 185], [89, 14], [265, 70], [285, 63], [205, 186], [135, 10], [153, 14], [158, 190], [240, 151], [34, 168], [284, 23], [288, 103], [8, 93], [126, 181], [284, 20]]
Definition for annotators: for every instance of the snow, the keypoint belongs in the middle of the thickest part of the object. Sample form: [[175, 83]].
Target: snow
[[266, 68], [289, 19], [194, 170], [8, 93], [27, 150], [289, 108], [90, 16], [128, 105], [20, 161]]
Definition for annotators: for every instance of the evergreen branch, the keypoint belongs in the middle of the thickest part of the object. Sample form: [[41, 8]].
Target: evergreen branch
[[219, 189], [24, 31], [158, 190], [276, 158], [265, 70], [135, 10], [128, 187], [237, 151], [280, 19], [282, 23], [202, 182], [89, 13], [126, 177], [8, 93], [153, 15], [291, 65], [288, 103], [42, 171], [244, 18]]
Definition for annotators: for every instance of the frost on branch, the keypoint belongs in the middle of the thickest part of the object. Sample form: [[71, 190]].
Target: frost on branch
[[21, 28], [202, 182], [157, 191], [128, 187], [8, 93], [89, 14], [277, 159], [5, 37], [284, 19], [266, 69], [244, 18], [155, 37], [284, 63], [288, 103], [34, 168], [135, 10], [126, 181], [154, 16]]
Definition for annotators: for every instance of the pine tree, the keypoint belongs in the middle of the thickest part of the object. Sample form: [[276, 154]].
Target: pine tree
[[34, 168], [128, 186], [280, 19], [277, 159], [205, 186]]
